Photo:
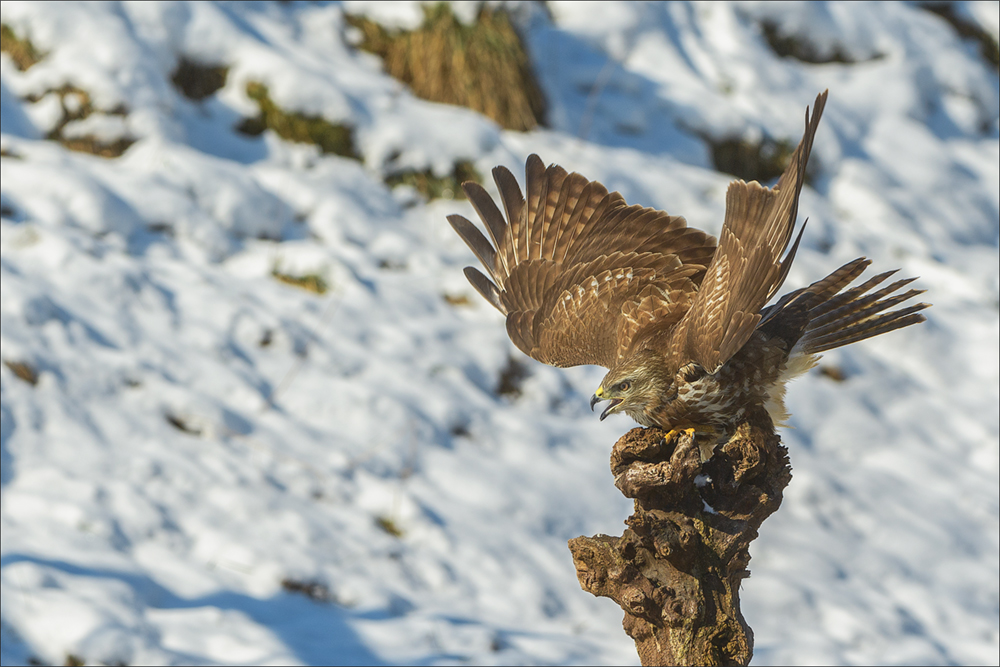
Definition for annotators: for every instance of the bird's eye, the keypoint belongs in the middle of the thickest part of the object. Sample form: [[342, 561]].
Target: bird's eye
[[624, 386]]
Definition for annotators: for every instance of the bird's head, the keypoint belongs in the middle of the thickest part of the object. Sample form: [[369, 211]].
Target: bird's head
[[634, 385]]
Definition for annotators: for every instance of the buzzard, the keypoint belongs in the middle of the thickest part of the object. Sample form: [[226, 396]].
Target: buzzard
[[677, 317]]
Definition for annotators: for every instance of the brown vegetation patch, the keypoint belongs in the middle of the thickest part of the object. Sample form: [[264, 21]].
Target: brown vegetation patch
[[330, 137], [437, 187], [313, 282], [389, 525], [835, 373], [760, 161], [792, 46], [94, 146], [77, 105], [391, 265], [484, 66], [21, 50], [457, 299], [23, 370], [181, 424], [314, 590], [198, 81], [512, 377]]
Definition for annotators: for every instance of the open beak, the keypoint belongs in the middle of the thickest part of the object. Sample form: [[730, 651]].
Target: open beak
[[613, 404], [596, 398]]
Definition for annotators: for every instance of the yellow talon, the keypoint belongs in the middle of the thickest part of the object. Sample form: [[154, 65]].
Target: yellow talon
[[676, 432], [706, 446], [694, 430]]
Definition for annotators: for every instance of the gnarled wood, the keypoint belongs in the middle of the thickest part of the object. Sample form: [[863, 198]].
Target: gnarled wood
[[676, 570]]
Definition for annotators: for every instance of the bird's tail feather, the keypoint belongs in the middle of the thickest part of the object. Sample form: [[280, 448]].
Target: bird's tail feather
[[828, 316]]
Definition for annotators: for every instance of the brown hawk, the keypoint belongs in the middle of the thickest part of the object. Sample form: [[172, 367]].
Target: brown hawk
[[678, 318]]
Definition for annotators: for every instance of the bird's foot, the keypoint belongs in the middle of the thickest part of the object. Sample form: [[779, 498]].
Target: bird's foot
[[677, 432], [693, 431], [706, 445]]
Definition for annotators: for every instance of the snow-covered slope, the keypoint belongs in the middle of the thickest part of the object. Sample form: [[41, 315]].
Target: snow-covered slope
[[200, 432]]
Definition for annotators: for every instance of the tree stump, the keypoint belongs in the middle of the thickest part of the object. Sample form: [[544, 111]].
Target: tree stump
[[676, 571]]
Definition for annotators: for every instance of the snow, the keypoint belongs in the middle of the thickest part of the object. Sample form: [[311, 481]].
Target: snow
[[140, 289]]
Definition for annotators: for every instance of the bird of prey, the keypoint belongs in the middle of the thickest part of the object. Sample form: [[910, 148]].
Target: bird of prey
[[677, 317]]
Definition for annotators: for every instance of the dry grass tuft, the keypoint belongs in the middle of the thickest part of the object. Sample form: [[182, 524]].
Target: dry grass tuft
[[77, 105], [21, 50], [312, 282], [330, 137], [835, 373], [183, 425], [457, 299], [314, 590], [23, 370], [389, 525], [95, 146], [483, 66]]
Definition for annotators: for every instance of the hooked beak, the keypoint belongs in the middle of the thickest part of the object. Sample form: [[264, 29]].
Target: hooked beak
[[598, 397]]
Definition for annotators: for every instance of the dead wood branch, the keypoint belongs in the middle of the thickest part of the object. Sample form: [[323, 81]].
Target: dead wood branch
[[676, 571]]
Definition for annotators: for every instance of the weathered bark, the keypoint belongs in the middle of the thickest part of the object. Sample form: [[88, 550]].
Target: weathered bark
[[676, 571]]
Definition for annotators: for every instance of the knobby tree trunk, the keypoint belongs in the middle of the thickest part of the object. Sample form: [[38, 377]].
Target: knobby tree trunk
[[677, 569]]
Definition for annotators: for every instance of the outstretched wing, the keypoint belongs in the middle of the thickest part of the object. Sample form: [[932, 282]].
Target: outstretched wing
[[747, 269], [575, 269]]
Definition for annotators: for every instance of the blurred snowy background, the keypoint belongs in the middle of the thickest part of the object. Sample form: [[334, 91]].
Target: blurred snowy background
[[252, 412]]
